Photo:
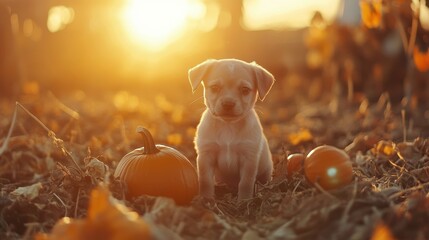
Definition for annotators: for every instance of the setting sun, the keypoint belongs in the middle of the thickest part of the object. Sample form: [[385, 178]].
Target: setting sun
[[156, 22]]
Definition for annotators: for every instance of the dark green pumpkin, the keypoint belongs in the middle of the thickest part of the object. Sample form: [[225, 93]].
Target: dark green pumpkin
[[157, 170]]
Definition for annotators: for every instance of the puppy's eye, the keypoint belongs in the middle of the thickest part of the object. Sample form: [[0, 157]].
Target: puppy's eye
[[215, 88], [245, 90]]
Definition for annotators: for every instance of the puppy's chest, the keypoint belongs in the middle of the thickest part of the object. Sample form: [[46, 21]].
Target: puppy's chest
[[233, 145], [228, 137], [229, 141], [230, 152]]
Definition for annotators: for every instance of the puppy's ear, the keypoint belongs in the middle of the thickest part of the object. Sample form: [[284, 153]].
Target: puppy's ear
[[197, 73], [264, 80]]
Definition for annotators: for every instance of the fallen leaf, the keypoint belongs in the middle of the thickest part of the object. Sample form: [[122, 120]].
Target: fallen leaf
[[96, 168], [371, 12], [304, 135], [28, 192], [382, 232], [386, 148]]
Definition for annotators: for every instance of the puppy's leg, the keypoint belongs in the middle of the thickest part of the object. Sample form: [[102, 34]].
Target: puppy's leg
[[206, 168], [265, 166], [264, 177], [247, 179]]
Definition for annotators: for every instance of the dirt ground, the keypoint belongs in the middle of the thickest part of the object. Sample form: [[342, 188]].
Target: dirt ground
[[53, 158]]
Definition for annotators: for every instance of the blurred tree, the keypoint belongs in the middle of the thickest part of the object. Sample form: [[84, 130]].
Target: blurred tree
[[230, 13], [8, 62], [235, 11]]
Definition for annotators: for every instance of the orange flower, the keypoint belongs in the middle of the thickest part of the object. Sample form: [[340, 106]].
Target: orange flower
[[371, 12]]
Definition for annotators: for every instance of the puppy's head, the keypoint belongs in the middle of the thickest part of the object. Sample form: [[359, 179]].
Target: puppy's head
[[231, 86]]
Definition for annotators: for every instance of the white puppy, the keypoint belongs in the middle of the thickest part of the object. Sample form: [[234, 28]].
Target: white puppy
[[229, 141]]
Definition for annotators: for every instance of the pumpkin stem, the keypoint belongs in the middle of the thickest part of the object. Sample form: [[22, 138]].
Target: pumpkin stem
[[148, 143]]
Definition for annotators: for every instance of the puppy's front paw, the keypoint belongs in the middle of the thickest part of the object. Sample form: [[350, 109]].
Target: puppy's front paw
[[245, 192], [205, 201], [207, 188], [244, 197], [247, 184]]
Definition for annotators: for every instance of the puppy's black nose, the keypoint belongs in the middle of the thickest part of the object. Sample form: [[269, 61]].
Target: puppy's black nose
[[228, 105]]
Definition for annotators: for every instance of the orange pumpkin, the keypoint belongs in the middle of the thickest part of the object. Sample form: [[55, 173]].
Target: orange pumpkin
[[157, 170], [294, 164], [329, 167]]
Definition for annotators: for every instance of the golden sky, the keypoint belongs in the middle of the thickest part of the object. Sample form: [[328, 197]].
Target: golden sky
[[155, 23]]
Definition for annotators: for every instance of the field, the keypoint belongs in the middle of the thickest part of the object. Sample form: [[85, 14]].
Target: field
[[62, 148]]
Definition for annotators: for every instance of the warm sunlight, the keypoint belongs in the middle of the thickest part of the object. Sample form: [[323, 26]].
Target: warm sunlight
[[157, 22]]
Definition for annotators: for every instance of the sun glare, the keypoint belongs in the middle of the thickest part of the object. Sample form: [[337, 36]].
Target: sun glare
[[156, 22], [59, 17]]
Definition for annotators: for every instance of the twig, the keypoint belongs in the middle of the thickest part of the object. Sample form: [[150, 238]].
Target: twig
[[409, 43], [64, 108], [401, 169], [61, 201], [404, 128], [33, 117], [51, 134], [216, 207], [77, 203], [350, 90], [349, 204], [324, 191], [410, 125], [395, 195], [296, 187], [73, 114], [413, 33], [401, 29]]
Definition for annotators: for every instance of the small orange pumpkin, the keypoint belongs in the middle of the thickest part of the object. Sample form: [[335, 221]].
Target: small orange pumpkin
[[157, 170], [294, 164], [329, 167]]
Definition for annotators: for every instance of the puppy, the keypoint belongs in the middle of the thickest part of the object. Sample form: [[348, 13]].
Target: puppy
[[229, 141]]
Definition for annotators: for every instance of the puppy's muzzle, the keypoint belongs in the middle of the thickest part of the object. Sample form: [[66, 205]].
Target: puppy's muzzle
[[228, 110], [228, 106]]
